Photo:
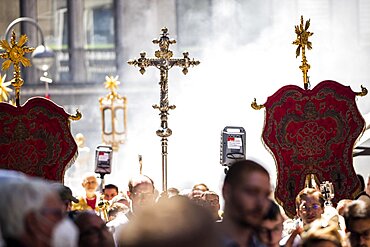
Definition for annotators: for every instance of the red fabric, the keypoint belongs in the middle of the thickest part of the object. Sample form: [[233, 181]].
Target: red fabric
[[313, 132], [35, 139], [91, 202]]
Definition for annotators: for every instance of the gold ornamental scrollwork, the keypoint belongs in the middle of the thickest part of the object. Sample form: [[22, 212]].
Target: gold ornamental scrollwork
[[255, 106], [76, 116], [363, 91]]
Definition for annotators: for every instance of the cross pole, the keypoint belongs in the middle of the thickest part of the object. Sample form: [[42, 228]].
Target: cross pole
[[163, 61], [302, 42]]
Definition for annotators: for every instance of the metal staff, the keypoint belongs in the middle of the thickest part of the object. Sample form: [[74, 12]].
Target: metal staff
[[164, 62]]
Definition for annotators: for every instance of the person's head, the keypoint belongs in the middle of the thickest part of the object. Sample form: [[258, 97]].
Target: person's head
[[173, 222], [202, 187], [319, 236], [271, 229], [90, 183], [172, 192], [30, 210], [309, 205], [80, 140], [212, 203], [246, 190], [65, 194], [357, 218], [93, 231], [141, 192], [341, 206], [110, 191]]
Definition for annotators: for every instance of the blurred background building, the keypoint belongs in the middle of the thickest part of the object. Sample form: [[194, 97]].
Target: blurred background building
[[245, 51]]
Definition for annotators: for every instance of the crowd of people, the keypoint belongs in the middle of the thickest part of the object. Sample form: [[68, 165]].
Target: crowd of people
[[35, 212]]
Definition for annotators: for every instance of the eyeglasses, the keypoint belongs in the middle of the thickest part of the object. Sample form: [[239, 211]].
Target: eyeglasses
[[305, 208], [142, 195], [90, 182]]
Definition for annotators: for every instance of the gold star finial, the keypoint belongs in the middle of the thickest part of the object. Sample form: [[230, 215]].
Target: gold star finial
[[14, 54], [4, 89], [302, 41], [15, 51], [111, 83]]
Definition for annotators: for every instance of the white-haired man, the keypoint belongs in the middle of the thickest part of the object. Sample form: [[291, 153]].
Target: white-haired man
[[91, 198], [30, 211]]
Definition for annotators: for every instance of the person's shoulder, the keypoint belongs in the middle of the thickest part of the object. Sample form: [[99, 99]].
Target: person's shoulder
[[80, 205]]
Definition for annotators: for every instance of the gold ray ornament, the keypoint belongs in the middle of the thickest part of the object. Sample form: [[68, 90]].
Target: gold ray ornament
[[4, 89], [14, 54], [302, 41]]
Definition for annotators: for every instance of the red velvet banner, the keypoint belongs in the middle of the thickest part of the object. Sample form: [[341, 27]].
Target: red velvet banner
[[36, 139], [313, 132]]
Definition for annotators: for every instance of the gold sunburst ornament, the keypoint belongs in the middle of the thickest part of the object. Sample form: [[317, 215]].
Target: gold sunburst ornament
[[4, 89], [14, 54], [302, 41], [111, 83]]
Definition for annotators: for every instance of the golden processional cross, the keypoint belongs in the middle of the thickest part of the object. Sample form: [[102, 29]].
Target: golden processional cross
[[302, 41], [14, 54], [164, 62]]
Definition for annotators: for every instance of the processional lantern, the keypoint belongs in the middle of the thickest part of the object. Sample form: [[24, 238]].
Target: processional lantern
[[35, 137], [113, 108], [311, 133], [164, 62]]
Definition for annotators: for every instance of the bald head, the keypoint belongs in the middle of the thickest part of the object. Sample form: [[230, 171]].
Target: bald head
[[138, 180]]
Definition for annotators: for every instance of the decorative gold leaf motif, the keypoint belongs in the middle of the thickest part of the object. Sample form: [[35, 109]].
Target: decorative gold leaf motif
[[22, 40], [6, 65], [4, 44], [25, 62]]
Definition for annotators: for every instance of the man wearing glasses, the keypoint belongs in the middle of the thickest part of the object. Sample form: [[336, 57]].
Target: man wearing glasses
[[357, 218], [310, 205], [142, 195], [141, 192]]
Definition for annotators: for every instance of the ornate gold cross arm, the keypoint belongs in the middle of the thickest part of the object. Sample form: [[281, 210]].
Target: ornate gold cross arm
[[184, 63], [302, 42], [141, 62]]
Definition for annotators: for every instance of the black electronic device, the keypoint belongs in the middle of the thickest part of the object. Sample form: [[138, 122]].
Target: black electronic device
[[103, 160], [232, 145]]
